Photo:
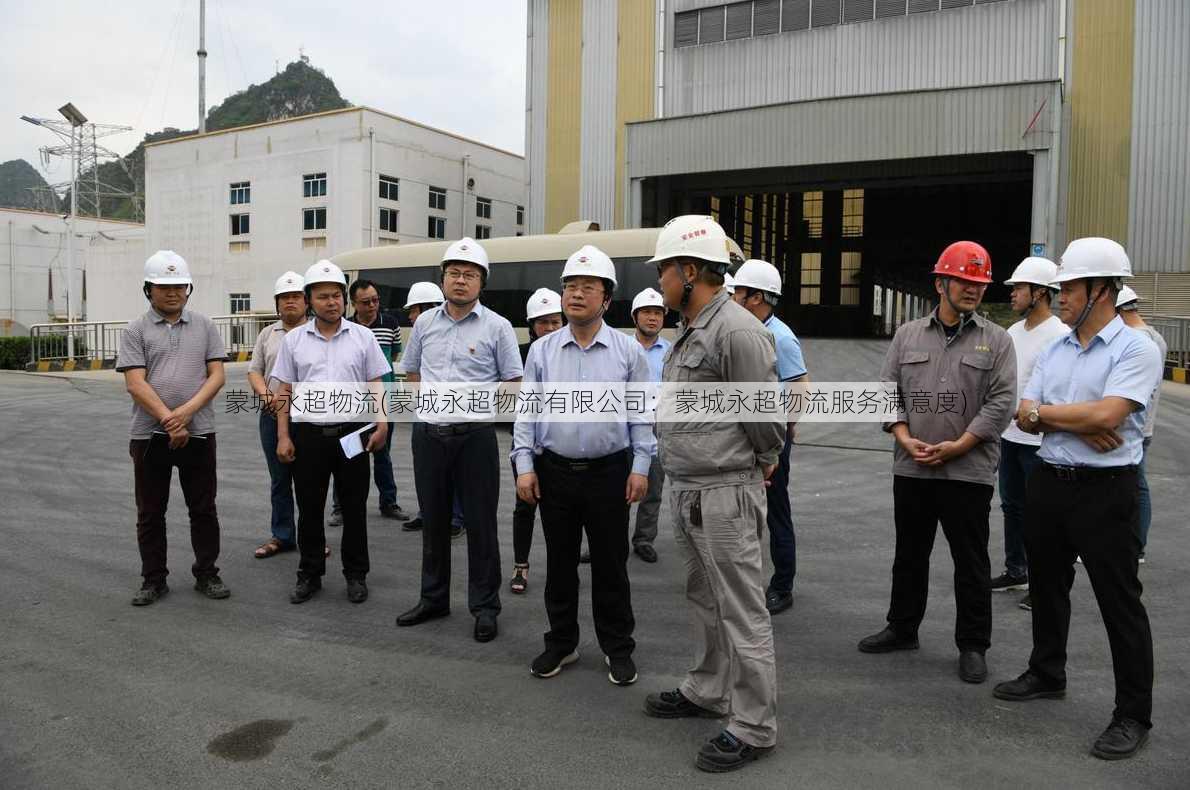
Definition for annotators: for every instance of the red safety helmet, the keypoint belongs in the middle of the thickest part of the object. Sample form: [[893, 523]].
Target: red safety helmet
[[965, 260]]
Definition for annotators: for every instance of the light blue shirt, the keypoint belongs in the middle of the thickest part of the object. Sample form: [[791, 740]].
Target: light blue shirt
[[655, 354], [1119, 362], [612, 357], [350, 355], [790, 364], [479, 348]]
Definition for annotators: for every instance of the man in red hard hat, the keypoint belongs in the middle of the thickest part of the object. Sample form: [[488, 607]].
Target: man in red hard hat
[[956, 376]]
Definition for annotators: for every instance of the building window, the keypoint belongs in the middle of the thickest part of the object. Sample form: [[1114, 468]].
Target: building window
[[241, 193], [811, 278], [314, 243], [389, 188], [436, 228], [710, 25], [388, 220], [240, 303], [849, 278], [483, 208], [520, 215], [239, 224], [858, 10], [824, 13], [766, 17], [314, 219], [483, 231], [812, 214], [236, 247], [314, 185], [438, 198], [739, 21], [686, 29], [853, 213]]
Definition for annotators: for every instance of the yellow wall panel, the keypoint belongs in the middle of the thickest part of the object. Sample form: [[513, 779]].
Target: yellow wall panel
[[635, 67], [563, 113]]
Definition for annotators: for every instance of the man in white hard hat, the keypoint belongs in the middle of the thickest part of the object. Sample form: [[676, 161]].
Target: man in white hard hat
[[1038, 328], [172, 361], [1087, 397], [758, 290], [1128, 306], [459, 342], [289, 297], [330, 349], [543, 311], [648, 316], [716, 471], [585, 475]]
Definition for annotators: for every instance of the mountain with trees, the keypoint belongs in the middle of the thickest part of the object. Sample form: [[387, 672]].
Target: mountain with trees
[[18, 180], [300, 89]]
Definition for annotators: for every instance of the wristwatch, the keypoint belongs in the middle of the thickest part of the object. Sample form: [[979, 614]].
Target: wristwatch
[[1035, 415]]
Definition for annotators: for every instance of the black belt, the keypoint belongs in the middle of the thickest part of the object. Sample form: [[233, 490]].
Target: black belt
[[455, 428], [1076, 473], [583, 464], [335, 429]]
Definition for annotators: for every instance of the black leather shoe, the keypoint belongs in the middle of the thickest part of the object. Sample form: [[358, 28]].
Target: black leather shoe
[[357, 590], [725, 752], [1028, 686], [420, 614], [1122, 739], [485, 627], [646, 552], [412, 525], [304, 590], [675, 705], [887, 641], [777, 602], [972, 666]]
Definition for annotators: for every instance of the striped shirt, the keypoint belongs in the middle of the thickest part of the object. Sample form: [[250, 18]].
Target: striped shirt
[[174, 357], [388, 335]]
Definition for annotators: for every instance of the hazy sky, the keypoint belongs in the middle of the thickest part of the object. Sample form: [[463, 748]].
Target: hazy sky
[[454, 64]]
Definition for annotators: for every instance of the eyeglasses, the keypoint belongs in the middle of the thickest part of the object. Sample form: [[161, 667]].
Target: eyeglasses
[[456, 274], [368, 302], [585, 290]]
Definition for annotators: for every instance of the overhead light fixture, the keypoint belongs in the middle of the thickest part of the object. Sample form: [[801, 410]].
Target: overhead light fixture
[[72, 114]]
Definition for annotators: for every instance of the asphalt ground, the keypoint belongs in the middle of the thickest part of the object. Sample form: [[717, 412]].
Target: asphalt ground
[[254, 692]]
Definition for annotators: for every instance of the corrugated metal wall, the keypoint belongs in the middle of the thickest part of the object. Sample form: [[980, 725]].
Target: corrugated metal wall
[[636, 59], [536, 110], [1014, 41], [867, 128], [1100, 119], [1159, 186], [563, 121], [598, 136]]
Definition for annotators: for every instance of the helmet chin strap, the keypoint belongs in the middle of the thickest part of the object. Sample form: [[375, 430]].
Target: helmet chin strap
[[687, 286], [964, 315], [1086, 313], [1032, 302]]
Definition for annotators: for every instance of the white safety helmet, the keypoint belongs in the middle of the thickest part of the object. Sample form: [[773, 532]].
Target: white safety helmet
[[729, 283], [1034, 271], [467, 250], [589, 261], [325, 272], [424, 293], [543, 302], [647, 298], [1093, 257], [1127, 299], [694, 236], [761, 275], [288, 283], [166, 267]]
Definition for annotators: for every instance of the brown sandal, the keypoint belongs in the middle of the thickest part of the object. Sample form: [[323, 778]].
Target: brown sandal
[[269, 548]]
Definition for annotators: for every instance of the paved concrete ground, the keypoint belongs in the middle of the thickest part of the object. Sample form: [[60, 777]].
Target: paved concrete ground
[[254, 692]]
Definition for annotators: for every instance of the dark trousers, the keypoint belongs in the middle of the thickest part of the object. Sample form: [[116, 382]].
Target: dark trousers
[[592, 498], [1145, 503], [523, 516], [382, 473], [280, 483], [962, 507], [152, 469], [1095, 519], [467, 463], [648, 510], [782, 541], [1016, 464], [318, 458]]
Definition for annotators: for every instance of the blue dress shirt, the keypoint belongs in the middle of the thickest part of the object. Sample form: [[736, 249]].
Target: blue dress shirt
[[790, 363]]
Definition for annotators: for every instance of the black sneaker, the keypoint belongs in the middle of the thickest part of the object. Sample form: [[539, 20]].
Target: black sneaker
[[675, 705], [1007, 582], [336, 519], [777, 602], [394, 511], [412, 525], [212, 587], [551, 662], [304, 590], [725, 752], [1122, 739], [621, 670], [149, 593], [1026, 603], [357, 590], [1026, 687]]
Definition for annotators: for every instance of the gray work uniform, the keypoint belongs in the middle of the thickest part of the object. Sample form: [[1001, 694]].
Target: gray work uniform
[[717, 497]]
